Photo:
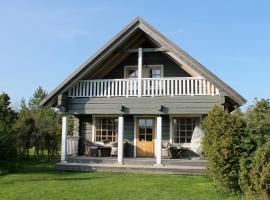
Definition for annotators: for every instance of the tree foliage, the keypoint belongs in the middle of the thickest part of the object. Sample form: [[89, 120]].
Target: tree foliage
[[237, 146], [221, 146], [255, 162], [7, 119], [38, 127]]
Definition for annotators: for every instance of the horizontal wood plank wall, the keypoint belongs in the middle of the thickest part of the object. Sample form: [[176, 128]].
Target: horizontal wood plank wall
[[143, 105], [85, 131], [129, 134], [165, 128], [171, 69]]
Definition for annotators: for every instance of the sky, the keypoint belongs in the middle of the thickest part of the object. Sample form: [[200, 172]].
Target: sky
[[42, 42]]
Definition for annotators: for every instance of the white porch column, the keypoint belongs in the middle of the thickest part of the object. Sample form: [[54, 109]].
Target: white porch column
[[140, 55], [120, 139], [64, 139], [158, 141]]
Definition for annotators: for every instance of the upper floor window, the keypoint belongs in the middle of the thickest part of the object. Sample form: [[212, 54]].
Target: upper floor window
[[148, 71], [132, 73], [155, 72]]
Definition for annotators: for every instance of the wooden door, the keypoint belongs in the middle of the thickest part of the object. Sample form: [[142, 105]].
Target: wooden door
[[145, 137]]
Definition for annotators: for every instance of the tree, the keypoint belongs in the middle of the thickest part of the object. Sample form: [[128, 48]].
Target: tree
[[38, 126], [25, 128], [221, 146], [7, 119], [255, 143]]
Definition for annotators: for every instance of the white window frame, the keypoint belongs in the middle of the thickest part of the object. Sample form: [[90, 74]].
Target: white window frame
[[172, 117], [94, 117], [156, 66], [145, 71]]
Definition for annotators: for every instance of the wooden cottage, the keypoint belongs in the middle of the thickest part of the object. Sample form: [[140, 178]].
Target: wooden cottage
[[142, 91]]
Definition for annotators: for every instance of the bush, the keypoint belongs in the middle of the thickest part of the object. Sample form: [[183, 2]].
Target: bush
[[221, 147], [260, 173], [255, 163]]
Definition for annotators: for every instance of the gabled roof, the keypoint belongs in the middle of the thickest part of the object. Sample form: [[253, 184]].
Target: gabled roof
[[174, 52]]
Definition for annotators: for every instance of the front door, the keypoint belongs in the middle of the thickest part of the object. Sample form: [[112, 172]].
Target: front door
[[145, 137]]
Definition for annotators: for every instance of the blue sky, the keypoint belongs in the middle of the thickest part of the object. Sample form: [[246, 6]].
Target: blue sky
[[42, 42]]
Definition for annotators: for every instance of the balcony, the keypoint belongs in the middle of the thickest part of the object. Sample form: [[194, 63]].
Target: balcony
[[147, 87]]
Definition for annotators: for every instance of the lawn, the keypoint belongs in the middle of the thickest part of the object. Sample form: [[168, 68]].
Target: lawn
[[39, 180]]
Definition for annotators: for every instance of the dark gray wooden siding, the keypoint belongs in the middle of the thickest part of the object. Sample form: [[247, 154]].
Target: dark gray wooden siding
[[85, 128], [165, 128], [170, 68], [143, 105], [129, 134]]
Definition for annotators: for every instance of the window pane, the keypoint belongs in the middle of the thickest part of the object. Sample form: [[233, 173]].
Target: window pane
[[141, 131], [132, 73], [149, 130], [189, 133], [98, 133], [141, 122], [141, 137], [189, 127], [182, 127], [148, 137], [149, 122], [182, 140]]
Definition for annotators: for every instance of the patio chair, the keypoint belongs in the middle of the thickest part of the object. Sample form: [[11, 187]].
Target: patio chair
[[114, 150], [165, 150], [90, 149]]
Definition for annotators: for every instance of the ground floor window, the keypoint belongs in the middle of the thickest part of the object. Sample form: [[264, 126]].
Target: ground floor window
[[106, 129], [183, 129]]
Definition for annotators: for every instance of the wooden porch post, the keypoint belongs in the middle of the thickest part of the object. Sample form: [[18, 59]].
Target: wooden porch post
[[120, 139], [158, 141], [140, 55], [64, 139]]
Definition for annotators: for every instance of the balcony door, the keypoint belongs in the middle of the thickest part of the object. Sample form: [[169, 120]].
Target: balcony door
[[145, 137]]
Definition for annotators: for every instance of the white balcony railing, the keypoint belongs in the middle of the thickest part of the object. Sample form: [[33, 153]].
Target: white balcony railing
[[150, 87]]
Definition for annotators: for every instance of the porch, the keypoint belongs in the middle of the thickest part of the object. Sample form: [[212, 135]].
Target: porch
[[149, 143], [136, 165]]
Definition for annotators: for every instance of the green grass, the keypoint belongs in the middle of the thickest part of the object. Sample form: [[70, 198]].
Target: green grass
[[39, 180]]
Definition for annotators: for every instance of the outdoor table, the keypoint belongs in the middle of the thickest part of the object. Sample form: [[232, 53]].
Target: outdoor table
[[176, 152], [104, 151]]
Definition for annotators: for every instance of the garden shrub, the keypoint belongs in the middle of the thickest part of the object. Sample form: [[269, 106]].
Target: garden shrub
[[255, 163], [221, 146]]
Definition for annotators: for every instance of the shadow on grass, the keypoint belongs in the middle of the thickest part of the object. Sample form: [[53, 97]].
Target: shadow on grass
[[46, 179]]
